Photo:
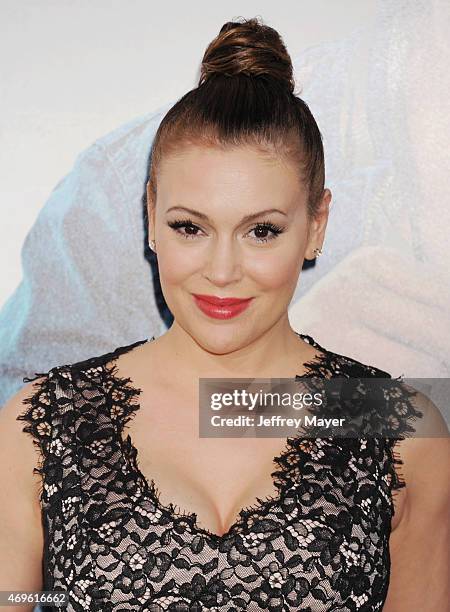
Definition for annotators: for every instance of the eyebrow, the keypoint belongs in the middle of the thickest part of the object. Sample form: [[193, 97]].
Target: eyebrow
[[244, 219]]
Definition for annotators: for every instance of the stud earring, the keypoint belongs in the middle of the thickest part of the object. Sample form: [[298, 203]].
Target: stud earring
[[152, 245], [318, 251]]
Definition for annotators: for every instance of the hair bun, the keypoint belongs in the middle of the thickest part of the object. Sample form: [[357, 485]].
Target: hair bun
[[248, 47]]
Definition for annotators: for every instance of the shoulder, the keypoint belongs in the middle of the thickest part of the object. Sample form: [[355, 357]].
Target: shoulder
[[349, 366], [339, 364], [45, 408], [425, 454], [34, 409], [21, 532], [17, 455], [416, 424], [43, 399], [419, 546], [56, 402], [416, 432]]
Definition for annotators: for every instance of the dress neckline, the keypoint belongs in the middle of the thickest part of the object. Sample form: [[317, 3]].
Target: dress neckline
[[126, 394]]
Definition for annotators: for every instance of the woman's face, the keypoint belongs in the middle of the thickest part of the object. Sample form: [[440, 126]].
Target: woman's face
[[211, 249]]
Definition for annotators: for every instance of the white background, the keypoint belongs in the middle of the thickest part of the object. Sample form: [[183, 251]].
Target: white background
[[71, 71]]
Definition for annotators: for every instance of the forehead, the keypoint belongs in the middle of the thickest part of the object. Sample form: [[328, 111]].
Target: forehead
[[243, 172]]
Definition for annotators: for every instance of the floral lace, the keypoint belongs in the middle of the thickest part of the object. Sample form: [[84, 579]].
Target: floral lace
[[320, 544]]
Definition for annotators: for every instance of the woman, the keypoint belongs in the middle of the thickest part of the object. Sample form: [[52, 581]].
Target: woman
[[236, 203]]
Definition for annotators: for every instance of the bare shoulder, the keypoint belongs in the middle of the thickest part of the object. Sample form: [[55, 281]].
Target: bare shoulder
[[426, 454], [420, 545], [15, 444], [20, 514]]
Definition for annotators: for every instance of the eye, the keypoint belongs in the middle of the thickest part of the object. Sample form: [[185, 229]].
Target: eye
[[263, 228], [187, 224], [191, 230]]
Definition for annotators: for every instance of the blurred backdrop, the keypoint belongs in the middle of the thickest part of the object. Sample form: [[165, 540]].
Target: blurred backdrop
[[375, 76], [71, 72]]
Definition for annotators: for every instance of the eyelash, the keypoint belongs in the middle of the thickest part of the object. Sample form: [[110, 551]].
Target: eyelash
[[178, 223]]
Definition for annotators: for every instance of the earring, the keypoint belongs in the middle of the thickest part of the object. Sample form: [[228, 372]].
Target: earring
[[318, 251], [152, 245]]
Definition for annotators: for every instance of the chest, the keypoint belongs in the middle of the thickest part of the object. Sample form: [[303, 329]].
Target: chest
[[237, 538], [214, 478]]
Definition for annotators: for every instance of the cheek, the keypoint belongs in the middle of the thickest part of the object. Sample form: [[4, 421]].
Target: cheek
[[175, 266], [268, 271], [275, 273]]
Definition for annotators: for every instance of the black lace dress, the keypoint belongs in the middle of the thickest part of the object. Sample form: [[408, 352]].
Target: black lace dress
[[320, 544]]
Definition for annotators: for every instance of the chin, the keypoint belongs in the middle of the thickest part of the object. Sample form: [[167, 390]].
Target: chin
[[219, 341]]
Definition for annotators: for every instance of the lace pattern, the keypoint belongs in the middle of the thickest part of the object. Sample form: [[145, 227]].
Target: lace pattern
[[320, 543]]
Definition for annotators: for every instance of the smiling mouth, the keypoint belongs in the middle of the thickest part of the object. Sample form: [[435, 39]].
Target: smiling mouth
[[219, 301], [217, 308]]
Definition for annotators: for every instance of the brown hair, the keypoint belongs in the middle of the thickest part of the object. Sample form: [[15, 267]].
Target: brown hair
[[246, 96]]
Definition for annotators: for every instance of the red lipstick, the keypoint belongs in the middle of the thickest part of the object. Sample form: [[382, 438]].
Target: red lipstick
[[221, 308]]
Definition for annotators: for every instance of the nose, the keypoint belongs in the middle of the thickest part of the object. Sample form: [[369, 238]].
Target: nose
[[223, 262]]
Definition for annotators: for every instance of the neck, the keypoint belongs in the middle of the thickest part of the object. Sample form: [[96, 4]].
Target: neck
[[260, 357]]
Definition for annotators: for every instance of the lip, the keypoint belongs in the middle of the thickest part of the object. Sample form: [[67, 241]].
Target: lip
[[218, 301], [217, 309]]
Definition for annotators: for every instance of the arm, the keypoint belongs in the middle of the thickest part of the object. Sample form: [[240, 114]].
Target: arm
[[420, 545], [21, 534]]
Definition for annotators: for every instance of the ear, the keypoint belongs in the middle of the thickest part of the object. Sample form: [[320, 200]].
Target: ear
[[317, 226], [150, 212]]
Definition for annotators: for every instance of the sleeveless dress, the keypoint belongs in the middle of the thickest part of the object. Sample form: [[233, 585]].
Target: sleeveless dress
[[321, 543]]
